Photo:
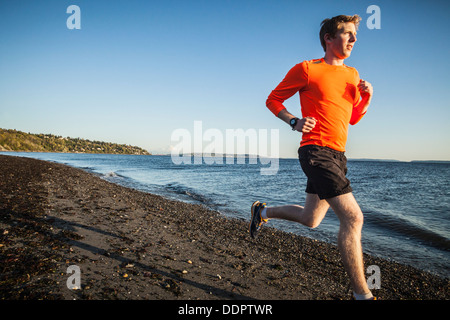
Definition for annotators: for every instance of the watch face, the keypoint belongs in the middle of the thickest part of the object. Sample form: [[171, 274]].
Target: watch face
[[293, 121]]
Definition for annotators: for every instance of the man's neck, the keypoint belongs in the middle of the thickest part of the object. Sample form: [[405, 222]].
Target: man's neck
[[333, 60]]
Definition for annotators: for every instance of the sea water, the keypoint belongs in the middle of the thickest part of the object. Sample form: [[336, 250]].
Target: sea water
[[406, 205]]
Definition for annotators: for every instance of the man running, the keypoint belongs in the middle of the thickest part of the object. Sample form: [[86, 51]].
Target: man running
[[331, 96]]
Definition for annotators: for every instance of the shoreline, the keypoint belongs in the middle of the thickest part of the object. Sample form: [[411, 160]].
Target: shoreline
[[133, 245]]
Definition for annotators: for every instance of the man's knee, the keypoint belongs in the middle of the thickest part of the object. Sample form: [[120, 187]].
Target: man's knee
[[312, 222], [354, 219], [314, 211], [347, 210], [313, 217]]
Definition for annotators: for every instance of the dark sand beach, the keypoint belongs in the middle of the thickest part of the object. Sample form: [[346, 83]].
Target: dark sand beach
[[133, 245]]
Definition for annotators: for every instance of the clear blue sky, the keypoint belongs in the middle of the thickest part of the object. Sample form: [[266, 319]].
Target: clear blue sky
[[138, 70]]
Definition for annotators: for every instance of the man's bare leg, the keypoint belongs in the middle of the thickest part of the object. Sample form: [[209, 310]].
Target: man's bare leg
[[310, 215], [349, 239]]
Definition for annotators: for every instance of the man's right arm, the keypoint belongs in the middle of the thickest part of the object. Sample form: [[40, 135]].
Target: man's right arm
[[293, 82]]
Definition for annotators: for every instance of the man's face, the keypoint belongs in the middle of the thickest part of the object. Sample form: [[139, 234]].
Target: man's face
[[342, 44]]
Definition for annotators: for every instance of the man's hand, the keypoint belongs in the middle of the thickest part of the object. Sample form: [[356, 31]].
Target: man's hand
[[365, 89], [305, 125]]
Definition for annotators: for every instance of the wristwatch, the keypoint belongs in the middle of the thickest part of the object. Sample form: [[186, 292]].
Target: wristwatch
[[293, 122]]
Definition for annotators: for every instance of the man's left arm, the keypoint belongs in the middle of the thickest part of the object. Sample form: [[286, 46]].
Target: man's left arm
[[366, 92]]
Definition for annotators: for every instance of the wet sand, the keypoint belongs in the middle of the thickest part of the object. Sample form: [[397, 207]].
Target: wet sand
[[131, 245]]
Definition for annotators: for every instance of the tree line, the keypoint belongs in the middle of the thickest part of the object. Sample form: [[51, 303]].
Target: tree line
[[14, 140]]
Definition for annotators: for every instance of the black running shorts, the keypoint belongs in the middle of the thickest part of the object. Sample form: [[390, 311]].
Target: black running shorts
[[325, 169]]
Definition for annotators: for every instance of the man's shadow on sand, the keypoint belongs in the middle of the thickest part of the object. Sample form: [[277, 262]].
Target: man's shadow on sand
[[68, 225]]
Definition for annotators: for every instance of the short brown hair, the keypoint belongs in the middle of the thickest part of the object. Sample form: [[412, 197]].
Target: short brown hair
[[331, 26]]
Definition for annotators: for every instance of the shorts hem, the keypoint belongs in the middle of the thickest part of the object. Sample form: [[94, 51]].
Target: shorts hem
[[334, 194]]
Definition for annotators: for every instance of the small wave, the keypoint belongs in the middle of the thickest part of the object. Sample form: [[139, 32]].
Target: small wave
[[407, 228], [90, 169], [111, 174], [189, 193]]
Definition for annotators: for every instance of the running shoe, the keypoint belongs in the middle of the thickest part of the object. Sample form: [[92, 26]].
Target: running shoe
[[256, 221]]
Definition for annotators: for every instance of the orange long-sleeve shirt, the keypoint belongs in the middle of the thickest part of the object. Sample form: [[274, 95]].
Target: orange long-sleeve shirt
[[327, 93]]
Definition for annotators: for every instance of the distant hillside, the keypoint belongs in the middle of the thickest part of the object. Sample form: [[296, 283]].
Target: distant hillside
[[13, 140]]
